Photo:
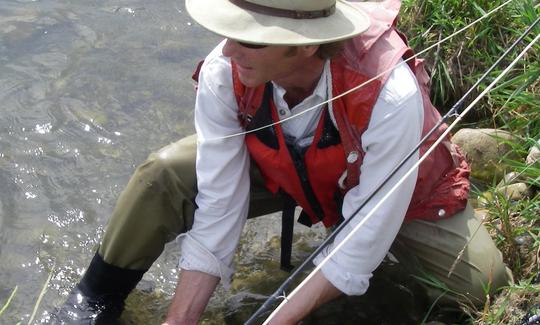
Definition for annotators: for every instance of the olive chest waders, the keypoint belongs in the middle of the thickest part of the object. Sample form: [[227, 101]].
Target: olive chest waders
[[156, 206]]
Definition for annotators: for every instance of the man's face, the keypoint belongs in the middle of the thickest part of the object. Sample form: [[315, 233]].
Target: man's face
[[257, 66]]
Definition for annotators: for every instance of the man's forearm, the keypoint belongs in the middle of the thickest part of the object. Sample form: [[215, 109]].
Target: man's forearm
[[316, 292], [193, 291]]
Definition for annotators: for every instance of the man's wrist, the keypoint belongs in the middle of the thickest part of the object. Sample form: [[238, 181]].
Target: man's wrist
[[191, 297]]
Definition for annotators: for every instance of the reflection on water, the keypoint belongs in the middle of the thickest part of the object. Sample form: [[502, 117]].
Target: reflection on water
[[88, 88]]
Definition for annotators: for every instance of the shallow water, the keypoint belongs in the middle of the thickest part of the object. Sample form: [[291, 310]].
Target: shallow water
[[87, 90]]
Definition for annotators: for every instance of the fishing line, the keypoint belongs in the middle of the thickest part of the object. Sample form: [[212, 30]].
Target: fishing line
[[451, 113], [409, 172], [365, 82]]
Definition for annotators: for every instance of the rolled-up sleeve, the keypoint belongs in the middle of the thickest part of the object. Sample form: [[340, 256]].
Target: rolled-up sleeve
[[222, 175], [394, 130]]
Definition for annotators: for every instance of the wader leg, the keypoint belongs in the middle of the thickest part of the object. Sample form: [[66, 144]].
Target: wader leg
[[157, 204], [435, 247]]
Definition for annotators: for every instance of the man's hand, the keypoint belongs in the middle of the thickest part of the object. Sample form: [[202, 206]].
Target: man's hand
[[313, 294], [191, 297]]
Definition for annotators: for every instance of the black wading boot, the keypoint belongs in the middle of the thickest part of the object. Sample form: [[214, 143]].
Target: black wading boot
[[99, 296]]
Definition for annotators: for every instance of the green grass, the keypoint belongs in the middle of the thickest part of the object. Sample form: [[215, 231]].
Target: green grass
[[513, 105], [457, 64], [36, 305], [8, 302]]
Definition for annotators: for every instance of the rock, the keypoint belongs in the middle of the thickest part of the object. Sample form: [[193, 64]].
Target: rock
[[525, 240], [534, 154], [87, 34], [170, 51], [145, 306], [483, 201], [515, 192], [484, 149], [510, 178], [481, 214], [512, 192]]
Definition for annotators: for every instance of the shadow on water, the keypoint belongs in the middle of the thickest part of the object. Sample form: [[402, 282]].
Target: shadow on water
[[87, 90]]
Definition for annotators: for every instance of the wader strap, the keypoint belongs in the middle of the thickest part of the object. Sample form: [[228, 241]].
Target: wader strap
[[287, 227]]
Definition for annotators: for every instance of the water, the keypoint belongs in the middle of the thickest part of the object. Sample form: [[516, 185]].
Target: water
[[87, 90]]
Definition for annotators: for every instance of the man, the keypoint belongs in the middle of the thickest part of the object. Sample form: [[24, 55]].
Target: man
[[281, 58]]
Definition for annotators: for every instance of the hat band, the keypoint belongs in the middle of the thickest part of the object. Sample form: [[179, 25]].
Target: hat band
[[286, 13]]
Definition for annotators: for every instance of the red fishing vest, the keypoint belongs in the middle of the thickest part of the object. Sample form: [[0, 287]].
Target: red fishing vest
[[311, 176]]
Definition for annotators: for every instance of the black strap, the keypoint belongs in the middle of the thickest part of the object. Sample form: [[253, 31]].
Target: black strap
[[287, 229]]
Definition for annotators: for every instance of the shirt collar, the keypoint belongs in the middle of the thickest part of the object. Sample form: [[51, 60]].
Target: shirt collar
[[320, 93]]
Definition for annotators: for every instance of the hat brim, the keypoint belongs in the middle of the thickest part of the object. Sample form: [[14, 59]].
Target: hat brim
[[226, 19]]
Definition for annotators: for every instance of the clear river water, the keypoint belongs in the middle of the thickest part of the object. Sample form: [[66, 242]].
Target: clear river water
[[88, 88]]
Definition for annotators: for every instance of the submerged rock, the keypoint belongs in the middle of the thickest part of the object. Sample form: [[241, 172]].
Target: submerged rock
[[484, 149], [145, 306]]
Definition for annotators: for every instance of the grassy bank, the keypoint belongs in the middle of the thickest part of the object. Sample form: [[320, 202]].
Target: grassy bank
[[514, 106]]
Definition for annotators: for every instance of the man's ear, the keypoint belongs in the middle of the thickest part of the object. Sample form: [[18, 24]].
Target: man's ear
[[309, 50]]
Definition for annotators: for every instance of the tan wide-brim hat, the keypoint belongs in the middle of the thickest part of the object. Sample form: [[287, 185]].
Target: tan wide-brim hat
[[271, 22]]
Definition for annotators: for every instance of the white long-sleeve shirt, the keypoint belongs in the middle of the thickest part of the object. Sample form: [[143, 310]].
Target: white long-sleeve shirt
[[223, 173]]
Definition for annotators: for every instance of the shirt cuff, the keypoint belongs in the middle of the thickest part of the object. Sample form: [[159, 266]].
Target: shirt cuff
[[196, 257], [350, 283]]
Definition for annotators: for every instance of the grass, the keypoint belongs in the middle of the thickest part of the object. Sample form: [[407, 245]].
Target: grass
[[456, 64], [8, 302], [513, 105], [36, 305]]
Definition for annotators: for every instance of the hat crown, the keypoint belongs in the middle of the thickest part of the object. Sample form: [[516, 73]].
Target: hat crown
[[280, 22], [298, 5]]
